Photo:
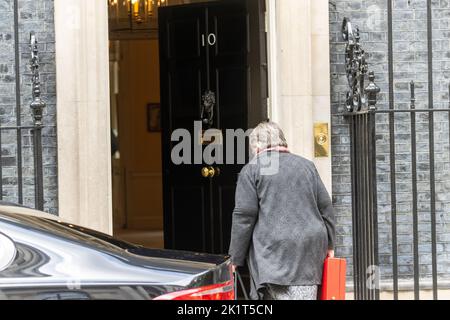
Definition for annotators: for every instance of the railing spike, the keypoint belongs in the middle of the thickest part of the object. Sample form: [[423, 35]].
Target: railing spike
[[413, 94], [37, 105]]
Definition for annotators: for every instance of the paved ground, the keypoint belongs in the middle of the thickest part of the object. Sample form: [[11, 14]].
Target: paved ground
[[409, 295], [150, 239]]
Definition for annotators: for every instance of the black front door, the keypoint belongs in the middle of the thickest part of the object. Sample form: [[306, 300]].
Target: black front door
[[214, 49]]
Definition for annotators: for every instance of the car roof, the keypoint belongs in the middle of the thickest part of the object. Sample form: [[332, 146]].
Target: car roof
[[17, 209], [52, 225]]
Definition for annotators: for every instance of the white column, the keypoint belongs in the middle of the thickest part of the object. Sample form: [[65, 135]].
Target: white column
[[302, 90], [294, 66], [83, 119], [320, 72]]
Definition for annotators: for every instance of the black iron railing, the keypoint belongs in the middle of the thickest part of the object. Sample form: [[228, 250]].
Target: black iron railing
[[21, 132], [366, 122], [37, 106], [417, 263], [361, 107]]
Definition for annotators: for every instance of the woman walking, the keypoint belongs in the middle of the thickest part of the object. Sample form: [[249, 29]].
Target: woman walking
[[283, 221]]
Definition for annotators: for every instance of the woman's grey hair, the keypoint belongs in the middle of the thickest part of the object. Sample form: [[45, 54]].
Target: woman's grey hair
[[267, 135]]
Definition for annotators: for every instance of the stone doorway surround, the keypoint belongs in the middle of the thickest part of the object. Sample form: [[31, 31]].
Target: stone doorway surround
[[299, 68], [299, 89], [83, 113]]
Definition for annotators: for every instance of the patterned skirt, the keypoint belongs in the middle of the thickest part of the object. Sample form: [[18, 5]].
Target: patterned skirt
[[276, 292]]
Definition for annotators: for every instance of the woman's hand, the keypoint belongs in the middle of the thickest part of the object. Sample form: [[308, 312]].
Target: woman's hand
[[233, 268], [330, 254]]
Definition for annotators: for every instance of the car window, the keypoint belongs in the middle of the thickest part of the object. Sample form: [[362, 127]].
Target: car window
[[7, 252]]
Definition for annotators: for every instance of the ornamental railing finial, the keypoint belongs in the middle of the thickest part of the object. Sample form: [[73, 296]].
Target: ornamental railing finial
[[37, 105], [359, 97]]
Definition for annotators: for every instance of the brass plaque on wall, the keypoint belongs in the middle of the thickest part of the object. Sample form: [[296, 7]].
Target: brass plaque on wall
[[321, 140]]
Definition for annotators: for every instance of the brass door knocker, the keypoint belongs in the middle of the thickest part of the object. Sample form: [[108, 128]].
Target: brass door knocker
[[208, 104]]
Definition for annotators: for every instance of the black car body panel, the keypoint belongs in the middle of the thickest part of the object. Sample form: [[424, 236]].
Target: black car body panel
[[57, 260]]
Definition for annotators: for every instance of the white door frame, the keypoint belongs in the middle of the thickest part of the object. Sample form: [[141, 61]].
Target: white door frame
[[299, 82], [299, 73], [83, 113]]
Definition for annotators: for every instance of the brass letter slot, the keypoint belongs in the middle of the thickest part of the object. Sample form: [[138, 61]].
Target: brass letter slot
[[321, 140]]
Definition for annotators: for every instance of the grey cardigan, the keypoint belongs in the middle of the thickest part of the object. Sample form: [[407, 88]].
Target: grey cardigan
[[283, 223]]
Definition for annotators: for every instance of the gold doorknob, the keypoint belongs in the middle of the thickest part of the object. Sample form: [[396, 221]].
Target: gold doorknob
[[208, 172]]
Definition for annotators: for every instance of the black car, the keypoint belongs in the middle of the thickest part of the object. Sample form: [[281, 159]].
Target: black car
[[46, 259]]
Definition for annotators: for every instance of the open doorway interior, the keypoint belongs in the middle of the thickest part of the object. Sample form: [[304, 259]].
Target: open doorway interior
[[135, 120], [136, 141]]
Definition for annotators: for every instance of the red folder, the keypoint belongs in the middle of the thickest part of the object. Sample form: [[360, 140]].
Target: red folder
[[333, 283]]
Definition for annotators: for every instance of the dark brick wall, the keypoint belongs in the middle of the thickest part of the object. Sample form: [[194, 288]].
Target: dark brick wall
[[410, 63], [37, 16]]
